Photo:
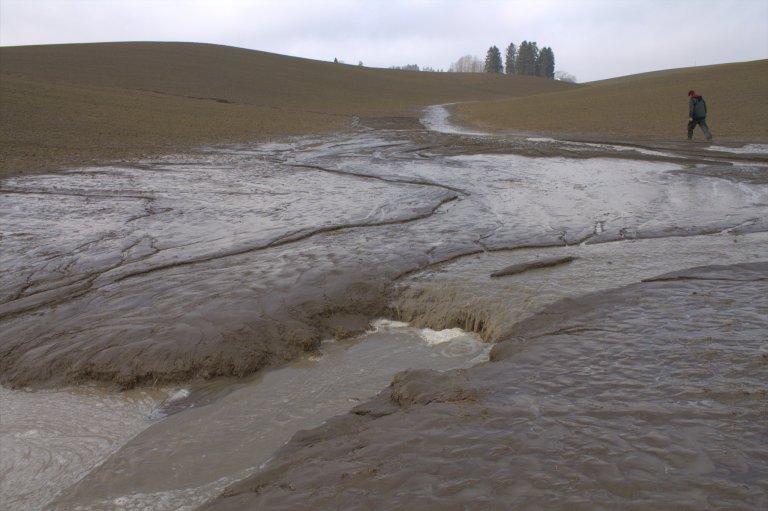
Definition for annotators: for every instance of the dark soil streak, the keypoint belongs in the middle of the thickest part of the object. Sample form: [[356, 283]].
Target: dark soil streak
[[384, 179], [288, 238], [533, 265]]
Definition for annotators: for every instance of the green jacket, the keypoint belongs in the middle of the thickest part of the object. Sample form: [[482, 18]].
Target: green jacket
[[697, 107]]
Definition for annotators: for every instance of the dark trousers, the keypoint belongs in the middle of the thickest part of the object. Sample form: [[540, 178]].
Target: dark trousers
[[701, 121]]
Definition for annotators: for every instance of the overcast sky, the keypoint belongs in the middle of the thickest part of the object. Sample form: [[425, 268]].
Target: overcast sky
[[591, 39]]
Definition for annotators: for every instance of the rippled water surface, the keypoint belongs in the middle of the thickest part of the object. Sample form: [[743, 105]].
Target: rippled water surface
[[238, 258], [50, 439], [196, 452], [650, 396]]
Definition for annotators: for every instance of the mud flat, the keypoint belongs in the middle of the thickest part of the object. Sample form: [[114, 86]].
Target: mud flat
[[200, 270], [228, 262]]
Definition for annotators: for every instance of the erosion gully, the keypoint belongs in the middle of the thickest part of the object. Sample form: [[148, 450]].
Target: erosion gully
[[166, 326]]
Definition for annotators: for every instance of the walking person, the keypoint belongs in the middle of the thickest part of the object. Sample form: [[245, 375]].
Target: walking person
[[697, 114]]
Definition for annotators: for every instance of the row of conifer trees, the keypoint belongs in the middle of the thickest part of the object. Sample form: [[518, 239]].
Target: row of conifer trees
[[526, 59]]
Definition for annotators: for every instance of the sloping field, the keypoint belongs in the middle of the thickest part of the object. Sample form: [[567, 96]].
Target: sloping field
[[646, 106], [72, 104]]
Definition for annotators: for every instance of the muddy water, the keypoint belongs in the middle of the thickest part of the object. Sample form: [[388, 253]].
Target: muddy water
[[193, 454], [462, 293], [50, 439], [233, 260], [651, 396], [208, 267]]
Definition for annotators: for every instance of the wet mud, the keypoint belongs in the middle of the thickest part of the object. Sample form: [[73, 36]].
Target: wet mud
[[226, 262], [532, 265], [216, 434], [206, 269], [648, 396]]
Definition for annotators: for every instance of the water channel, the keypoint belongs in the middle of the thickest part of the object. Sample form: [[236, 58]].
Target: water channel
[[168, 270]]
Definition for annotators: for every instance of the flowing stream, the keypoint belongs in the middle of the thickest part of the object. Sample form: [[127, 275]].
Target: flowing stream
[[128, 273]]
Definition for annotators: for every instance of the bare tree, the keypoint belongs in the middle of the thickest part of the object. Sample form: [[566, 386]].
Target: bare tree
[[565, 76], [407, 67], [467, 64]]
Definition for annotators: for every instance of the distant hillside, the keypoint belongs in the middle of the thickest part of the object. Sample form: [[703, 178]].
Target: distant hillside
[[73, 104], [647, 106]]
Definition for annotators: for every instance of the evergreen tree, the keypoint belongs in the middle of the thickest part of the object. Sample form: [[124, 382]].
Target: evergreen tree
[[545, 65], [533, 59], [551, 66], [493, 61], [526, 59], [511, 57]]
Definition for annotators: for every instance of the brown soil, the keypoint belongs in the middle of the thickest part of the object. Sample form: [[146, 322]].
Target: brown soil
[[81, 104], [646, 106], [67, 105]]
